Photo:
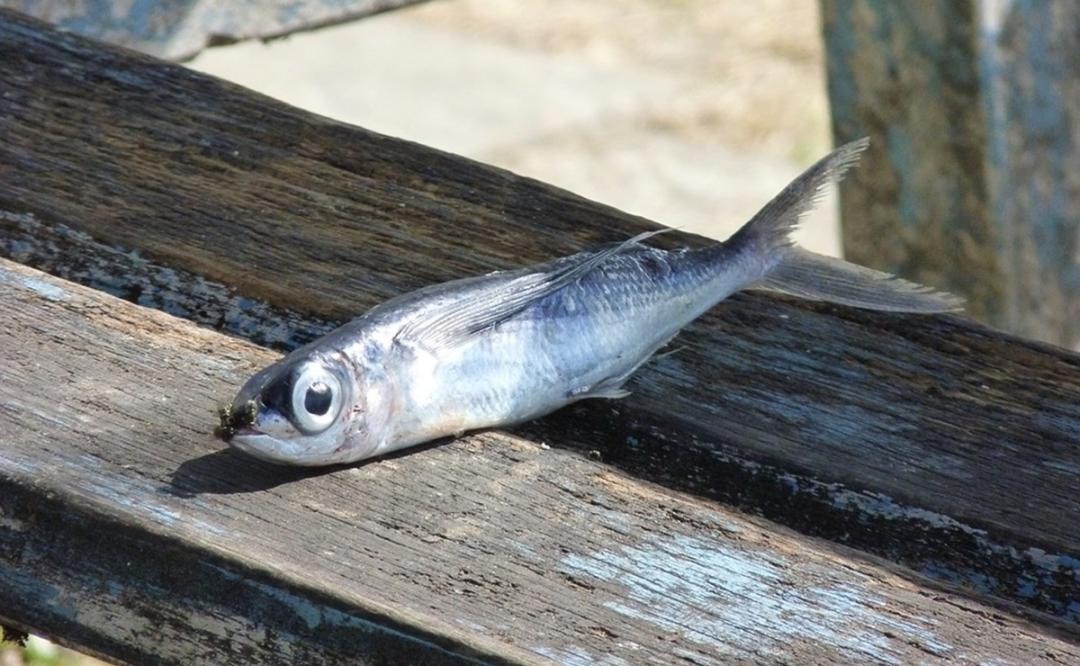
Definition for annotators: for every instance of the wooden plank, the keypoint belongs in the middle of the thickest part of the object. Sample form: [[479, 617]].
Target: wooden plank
[[126, 529], [176, 580], [973, 108], [932, 441], [180, 29]]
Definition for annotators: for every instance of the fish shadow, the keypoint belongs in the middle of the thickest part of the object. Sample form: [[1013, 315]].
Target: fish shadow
[[229, 472]]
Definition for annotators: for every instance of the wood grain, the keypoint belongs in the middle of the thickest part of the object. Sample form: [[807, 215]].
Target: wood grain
[[973, 109], [126, 530], [933, 441]]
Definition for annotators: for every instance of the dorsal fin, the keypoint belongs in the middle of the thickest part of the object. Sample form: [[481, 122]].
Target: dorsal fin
[[458, 320]]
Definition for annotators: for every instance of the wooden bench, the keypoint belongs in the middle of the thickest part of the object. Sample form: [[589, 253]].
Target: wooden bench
[[180, 29], [800, 483]]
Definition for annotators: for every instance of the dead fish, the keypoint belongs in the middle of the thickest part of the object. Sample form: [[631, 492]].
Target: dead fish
[[511, 346]]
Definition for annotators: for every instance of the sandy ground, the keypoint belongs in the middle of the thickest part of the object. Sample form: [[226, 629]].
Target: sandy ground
[[691, 113]]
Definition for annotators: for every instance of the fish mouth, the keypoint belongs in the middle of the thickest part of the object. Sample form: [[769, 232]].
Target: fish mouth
[[256, 445], [268, 448]]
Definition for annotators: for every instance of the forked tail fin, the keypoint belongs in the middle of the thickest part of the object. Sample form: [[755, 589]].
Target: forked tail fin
[[801, 273], [816, 277]]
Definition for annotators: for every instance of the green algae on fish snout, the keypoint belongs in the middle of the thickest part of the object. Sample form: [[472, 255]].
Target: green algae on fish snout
[[234, 420]]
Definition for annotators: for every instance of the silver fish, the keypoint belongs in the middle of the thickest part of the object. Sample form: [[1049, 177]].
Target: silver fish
[[511, 346]]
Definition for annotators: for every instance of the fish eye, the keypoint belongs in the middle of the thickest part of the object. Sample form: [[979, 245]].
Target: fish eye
[[316, 399]]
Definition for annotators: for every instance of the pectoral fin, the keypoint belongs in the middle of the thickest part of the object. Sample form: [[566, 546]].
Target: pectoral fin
[[609, 393]]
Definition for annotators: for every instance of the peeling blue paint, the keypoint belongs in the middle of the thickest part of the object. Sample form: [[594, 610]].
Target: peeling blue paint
[[134, 494], [1044, 570], [136, 502], [25, 466], [123, 492], [716, 595], [49, 292], [574, 655]]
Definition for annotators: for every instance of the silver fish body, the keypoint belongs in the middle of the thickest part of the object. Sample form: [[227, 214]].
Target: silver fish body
[[511, 346], [582, 341]]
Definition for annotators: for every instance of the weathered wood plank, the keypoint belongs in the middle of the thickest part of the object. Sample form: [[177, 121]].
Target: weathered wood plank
[[125, 529], [971, 181], [180, 29], [933, 441]]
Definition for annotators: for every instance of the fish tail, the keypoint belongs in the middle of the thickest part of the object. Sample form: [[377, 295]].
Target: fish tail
[[782, 266]]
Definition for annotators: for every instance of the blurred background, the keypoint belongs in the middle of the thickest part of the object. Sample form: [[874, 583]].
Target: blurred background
[[690, 113]]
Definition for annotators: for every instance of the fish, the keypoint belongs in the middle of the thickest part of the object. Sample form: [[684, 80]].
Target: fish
[[507, 347]]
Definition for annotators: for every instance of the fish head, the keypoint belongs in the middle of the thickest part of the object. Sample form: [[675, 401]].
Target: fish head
[[309, 408]]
